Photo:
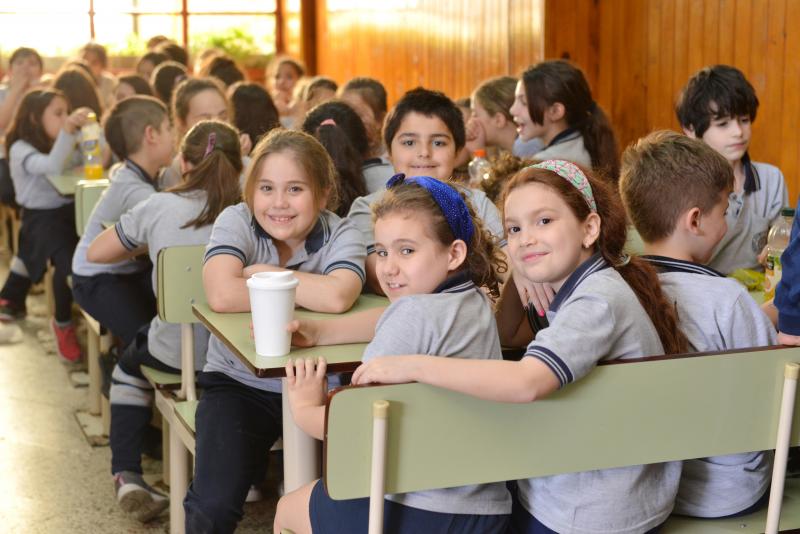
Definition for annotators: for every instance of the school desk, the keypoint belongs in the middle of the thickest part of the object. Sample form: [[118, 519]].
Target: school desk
[[66, 181], [300, 452]]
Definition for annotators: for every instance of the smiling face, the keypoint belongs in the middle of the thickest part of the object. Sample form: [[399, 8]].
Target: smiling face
[[526, 128], [423, 146], [54, 117], [410, 261], [546, 241], [283, 200], [730, 136]]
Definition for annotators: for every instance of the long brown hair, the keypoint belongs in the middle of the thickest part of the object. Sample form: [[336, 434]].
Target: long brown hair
[[483, 255], [27, 123], [80, 90], [639, 275], [212, 147]]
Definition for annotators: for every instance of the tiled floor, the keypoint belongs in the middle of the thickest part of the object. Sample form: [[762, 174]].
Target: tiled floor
[[51, 479]]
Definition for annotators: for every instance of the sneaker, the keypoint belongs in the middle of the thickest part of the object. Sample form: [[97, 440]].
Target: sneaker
[[138, 498], [10, 311], [66, 342]]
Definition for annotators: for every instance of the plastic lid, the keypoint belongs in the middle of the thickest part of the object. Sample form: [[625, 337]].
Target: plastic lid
[[92, 116], [479, 153], [273, 280], [787, 212]]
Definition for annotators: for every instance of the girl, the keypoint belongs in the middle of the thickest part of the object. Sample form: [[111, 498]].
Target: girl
[[80, 89], [148, 63], [567, 229], [434, 254], [165, 77], [342, 133], [223, 68], [254, 112], [282, 76], [131, 84], [552, 101], [41, 141], [282, 224], [183, 215]]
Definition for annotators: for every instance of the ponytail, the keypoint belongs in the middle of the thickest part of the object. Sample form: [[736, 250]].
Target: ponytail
[[348, 163], [600, 143]]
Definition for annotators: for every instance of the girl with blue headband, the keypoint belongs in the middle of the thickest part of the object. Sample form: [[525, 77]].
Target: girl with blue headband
[[567, 229], [433, 257]]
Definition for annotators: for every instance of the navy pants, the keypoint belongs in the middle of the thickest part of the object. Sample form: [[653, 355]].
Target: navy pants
[[132, 404], [236, 425], [123, 303]]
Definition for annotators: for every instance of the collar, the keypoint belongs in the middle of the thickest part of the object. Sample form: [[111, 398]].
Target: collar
[[372, 162], [751, 181], [567, 135], [663, 264], [140, 172], [458, 282], [319, 235], [592, 265]]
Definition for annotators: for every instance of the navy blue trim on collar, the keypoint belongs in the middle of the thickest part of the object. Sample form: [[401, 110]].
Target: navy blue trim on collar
[[371, 162], [456, 283], [592, 265], [140, 172], [664, 264], [566, 135], [751, 180], [318, 236]]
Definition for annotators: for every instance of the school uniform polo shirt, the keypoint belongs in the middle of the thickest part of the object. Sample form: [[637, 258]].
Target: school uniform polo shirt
[[749, 218], [568, 145], [130, 184], [595, 317], [333, 244], [454, 321], [376, 172], [29, 170], [158, 223], [716, 314]]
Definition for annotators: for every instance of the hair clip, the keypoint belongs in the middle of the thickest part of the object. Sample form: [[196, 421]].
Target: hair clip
[[212, 142], [328, 122]]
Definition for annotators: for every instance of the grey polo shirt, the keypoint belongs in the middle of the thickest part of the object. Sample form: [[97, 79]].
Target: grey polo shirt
[[454, 321], [377, 172], [129, 185], [716, 314], [749, 218], [568, 145], [333, 244], [29, 170], [594, 317], [158, 223]]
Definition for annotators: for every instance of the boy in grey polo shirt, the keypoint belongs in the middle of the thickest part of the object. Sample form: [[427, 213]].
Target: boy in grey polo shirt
[[715, 313]]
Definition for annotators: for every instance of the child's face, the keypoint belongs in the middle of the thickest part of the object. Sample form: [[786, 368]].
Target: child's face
[[206, 105], [94, 62], [729, 136], [145, 69], [526, 128], [423, 146], [711, 228], [283, 201], [25, 65], [285, 79], [163, 143], [123, 91], [409, 260], [546, 241], [54, 117], [488, 122]]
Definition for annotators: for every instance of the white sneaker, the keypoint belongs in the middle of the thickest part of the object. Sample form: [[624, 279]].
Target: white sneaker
[[138, 498]]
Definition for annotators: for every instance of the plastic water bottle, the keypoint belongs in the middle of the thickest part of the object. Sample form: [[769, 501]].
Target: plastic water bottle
[[777, 242], [90, 147], [479, 168]]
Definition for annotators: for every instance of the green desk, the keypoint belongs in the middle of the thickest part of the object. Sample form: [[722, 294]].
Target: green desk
[[301, 453], [66, 181]]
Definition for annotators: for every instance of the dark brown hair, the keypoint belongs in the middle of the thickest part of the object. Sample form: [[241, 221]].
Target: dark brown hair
[[372, 92], [639, 275], [664, 174], [166, 76], [79, 89], [483, 255], [139, 84], [254, 112], [23, 52], [187, 89], [174, 51], [222, 68], [127, 121], [27, 122], [215, 171], [559, 81]]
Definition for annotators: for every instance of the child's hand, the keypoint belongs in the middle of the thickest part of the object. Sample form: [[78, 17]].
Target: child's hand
[[245, 143], [538, 295], [77, 119], [387, 370], [762, 257], [305, 332], [307, 385], [787, 339], [476, 135]]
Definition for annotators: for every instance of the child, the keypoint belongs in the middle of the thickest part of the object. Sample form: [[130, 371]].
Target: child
[[566, 228], [183, 215], [715, 313], [283, 73], [80, 90], [148, 63], [367, 97], [41, 141], [140, 134], [553, 101], [131, 84], [254, 112], [433, 255], [423, 133], [165, 77], [342, 133], [173, 51], [96, 56], [223, 69], [718, 105], [282, 224]]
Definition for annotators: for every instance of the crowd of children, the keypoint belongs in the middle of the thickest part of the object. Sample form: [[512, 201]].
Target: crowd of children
[[353, 195]]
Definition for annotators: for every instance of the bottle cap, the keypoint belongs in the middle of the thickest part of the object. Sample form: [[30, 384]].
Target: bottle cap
[[92, 116], [479, 153], [787, 212]]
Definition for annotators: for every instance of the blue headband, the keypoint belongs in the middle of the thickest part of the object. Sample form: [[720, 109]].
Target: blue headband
[[449, 200]]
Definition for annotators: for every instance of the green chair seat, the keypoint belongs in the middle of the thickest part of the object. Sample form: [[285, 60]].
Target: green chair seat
[[161, 379], [185, 412]]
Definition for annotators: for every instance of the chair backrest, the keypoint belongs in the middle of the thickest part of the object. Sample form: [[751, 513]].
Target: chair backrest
[[87, 193], [625, 414], [180, 283]]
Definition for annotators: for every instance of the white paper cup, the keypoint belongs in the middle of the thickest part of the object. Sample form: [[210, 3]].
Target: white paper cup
[[272, 308]]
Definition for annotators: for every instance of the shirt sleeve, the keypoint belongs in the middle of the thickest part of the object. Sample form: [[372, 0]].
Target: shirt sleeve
[[36, 163], [361, 216], [232, 234], [392, 331], [787, 294], [580, 335], [346, 250], [749, 326], [134, 225]]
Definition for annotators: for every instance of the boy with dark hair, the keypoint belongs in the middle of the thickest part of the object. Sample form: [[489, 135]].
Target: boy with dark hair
[[718, 106], [715, 312]]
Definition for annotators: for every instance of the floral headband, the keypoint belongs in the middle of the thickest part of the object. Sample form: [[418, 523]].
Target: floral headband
[[571, 173]]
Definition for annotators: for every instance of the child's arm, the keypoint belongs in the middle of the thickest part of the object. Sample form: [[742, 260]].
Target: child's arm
[[225, 284], [356, 328], [496, 380], [58, 157], [108, 248], [307, 391]]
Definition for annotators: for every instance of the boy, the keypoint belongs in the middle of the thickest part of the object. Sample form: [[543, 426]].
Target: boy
[[423, 134], [718, 106], [715, 313]]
